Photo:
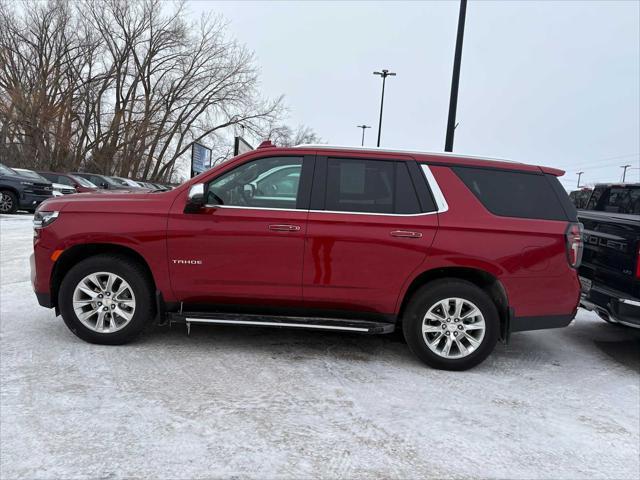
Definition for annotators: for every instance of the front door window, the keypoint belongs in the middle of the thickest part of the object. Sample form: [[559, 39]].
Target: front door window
[[265, 183]]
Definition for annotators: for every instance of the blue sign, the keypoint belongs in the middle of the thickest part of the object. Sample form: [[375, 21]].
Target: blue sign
[[200, 159]]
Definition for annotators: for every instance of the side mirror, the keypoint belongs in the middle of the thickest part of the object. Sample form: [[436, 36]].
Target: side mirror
[[195, 199], [104, 185]]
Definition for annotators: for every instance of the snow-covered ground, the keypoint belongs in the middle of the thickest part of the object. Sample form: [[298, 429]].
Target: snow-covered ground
[[229, 402]]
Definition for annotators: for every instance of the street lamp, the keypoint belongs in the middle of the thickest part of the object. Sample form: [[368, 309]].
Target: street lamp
[[363, 127], [384, 74], [624, 172], [455, 79]]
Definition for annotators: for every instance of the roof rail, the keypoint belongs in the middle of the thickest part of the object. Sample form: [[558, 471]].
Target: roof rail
[[399, 150]]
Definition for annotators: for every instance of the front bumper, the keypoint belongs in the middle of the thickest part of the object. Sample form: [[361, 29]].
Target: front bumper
[[619, 307], [44, 298], [29, 201]]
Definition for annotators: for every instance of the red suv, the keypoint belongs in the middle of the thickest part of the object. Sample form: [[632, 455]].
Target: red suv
[[457, 251]]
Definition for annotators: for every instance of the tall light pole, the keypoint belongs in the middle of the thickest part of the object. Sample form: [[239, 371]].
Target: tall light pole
[[455, 80], [579, 175], [363, 127], [624, 172], [384, 74]]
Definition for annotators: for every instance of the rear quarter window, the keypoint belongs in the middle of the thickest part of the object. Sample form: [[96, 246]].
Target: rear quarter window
[[616, 199], [517, 194]]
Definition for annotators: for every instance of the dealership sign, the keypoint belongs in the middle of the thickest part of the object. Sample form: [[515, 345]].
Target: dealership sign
[[200, 159]]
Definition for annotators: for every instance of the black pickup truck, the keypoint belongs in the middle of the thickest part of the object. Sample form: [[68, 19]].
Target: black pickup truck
[[610, 271]]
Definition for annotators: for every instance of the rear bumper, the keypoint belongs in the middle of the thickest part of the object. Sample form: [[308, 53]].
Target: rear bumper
[[620, 307]]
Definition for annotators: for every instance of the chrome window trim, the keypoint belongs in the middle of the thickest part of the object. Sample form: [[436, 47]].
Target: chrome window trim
[[441, 202], [376, 213], [320, 211], [241, 207], [323, 211], [439, 198]]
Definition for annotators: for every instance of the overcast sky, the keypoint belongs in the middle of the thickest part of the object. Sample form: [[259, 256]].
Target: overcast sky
[[554, 83]]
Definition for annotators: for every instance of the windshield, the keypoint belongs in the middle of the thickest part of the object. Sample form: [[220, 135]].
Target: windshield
[[6, 170], [31, 174], [84, 182], [119, 181], [110, 181]]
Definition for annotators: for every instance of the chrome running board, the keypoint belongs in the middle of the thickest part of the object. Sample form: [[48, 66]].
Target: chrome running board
[[252, 320]]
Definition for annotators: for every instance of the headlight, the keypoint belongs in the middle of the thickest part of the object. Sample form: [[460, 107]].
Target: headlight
[[42, 219], [26, 183]]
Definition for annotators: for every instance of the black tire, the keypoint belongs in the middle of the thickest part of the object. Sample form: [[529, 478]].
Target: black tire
[[426, 297], [9, 201], [129, 270]]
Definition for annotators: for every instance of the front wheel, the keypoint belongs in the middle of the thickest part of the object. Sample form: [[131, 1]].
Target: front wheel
[[106, 299], [451, 324]]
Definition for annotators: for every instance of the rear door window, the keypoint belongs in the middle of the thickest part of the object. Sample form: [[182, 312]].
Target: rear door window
[[370, 186], [514, 194]]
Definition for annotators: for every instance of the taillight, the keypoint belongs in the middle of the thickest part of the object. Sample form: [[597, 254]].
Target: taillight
[[574, 244], [638, 264]]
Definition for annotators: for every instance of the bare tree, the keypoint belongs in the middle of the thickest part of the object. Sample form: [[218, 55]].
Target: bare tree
[[285, 136], [42, 55], [120, 86]]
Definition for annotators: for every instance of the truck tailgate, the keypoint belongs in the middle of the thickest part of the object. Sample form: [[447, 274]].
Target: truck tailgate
[[611, 249]]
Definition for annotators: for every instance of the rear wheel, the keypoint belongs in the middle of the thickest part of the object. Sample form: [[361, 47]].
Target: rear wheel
[[451, 324], [8, 202], [106, 299]]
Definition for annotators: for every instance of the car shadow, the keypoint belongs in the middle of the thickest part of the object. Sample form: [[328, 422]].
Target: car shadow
[[624, 348], [527, 349], [620, 344]]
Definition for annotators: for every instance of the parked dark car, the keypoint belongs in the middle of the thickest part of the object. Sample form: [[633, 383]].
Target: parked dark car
[[455, 251], [82, 185], [102, 181], [18, 192], [610, 271], [58, 188]]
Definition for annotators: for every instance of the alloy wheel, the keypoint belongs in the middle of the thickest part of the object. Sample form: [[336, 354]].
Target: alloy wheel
[[453, 328], [104, 302], [6, 203]]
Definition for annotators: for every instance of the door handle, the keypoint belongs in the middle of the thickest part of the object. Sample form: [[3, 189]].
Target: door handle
[[284, 228], [406, 234]]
